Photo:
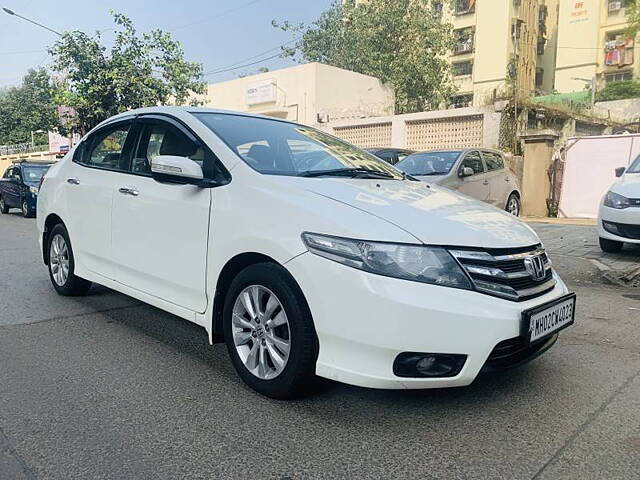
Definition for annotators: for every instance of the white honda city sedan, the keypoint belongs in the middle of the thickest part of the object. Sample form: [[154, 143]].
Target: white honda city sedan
[[305, 255], [619, 214]]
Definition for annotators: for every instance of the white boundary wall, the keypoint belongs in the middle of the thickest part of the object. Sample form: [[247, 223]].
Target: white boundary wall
[[454, 128], [589, 171]]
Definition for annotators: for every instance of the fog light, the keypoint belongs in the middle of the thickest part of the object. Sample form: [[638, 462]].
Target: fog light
[[410, 364]]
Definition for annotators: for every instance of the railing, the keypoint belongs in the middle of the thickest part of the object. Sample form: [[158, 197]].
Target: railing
[[22, 148]]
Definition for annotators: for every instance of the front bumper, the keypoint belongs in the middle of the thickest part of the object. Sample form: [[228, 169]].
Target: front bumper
[[626, 216], [365, 321]]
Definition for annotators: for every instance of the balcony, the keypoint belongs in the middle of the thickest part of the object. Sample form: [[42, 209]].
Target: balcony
[[465, 39], [464, 7]]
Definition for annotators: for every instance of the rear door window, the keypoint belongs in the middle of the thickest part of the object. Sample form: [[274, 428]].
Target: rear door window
[[493, 160]]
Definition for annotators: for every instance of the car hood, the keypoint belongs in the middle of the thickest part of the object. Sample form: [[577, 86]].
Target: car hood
[[628, 185], [432, 214], [437, 179]]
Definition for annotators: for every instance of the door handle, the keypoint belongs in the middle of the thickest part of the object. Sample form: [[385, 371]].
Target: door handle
[[73, 181], [486, 182], [507, 179], [129, 191]]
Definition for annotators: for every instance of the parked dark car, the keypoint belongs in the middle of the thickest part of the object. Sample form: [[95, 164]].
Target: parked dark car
[[19, 187], [390, 155]]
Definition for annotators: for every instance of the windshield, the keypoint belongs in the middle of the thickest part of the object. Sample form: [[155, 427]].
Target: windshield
[[635, 166], [428, 163], [32, 175], [274, 147]]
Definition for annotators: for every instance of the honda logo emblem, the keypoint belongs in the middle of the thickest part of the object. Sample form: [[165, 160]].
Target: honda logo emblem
[[534, 265]]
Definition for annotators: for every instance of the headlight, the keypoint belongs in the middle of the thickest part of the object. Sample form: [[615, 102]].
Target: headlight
[[615, 200], [409, 262], [33, 190]]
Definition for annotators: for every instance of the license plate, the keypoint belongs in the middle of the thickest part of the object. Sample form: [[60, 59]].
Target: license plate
[[542, 321]]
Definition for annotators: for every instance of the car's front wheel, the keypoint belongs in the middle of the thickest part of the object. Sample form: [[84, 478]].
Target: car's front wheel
[[610, 246], [62, 265], [269, 332], [4, 208], [513, 205]]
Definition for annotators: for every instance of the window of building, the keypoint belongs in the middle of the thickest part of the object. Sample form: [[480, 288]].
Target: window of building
[[616, 5], [438, 8], [462, 7], [539, 76], [461, 101], [464, 40], [462, 68], [618, 76], [618, 50]]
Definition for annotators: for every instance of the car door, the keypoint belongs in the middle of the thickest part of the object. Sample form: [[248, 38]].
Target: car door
[[476, 185], [98, 166], [160, 230], [498, 177], [15, 188], [6, 186]]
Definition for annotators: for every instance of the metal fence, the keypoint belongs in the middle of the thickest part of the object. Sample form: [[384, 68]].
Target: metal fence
[[22, 148]]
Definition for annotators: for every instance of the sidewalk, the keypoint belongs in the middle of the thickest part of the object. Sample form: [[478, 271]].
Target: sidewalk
[[581, 240]]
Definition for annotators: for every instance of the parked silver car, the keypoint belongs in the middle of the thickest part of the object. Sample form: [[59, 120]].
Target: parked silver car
[[478, 173]]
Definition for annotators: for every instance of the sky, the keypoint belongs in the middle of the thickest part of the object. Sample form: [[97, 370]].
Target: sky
[[220, 34]]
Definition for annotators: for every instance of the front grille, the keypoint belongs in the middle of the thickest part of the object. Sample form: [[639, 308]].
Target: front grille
[[503, 273], [626, 230], [515, 351]]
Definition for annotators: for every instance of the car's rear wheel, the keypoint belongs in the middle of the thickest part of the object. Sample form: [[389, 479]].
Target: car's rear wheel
[[513, 204], [26, 211], [269, 332], [4, 208], [62, 265], [610, 246]]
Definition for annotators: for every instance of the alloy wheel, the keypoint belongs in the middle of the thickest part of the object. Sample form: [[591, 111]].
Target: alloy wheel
[[261, 333], [59, 260], [514, 206]]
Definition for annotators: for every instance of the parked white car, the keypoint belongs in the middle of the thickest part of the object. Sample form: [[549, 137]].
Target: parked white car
[[479, 173], [619, 213], [306, 255]]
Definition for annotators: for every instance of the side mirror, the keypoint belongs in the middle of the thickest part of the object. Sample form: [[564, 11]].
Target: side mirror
[[465, 172], [174, 169], [620, 171]]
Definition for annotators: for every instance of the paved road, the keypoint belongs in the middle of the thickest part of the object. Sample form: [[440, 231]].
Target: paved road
[[104, 387]]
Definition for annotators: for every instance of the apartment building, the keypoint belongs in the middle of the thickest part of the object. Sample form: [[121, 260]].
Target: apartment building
[[499, 43], [592, 43]]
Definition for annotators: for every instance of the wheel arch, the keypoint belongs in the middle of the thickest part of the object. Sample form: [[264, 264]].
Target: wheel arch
[[230, 270], [51, 221]]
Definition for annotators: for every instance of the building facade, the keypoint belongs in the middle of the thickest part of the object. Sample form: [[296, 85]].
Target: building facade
[[312, 94], [592, 44]]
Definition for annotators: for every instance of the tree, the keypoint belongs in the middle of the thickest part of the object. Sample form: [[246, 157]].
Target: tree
[[619, 91], [28, 108], [137, 71], [403, 42], [632, 10]]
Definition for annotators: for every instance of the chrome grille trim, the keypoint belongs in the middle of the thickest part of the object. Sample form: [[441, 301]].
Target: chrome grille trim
[[503, 274]]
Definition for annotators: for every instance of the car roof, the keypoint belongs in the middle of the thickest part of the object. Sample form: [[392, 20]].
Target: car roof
[[461, 150]]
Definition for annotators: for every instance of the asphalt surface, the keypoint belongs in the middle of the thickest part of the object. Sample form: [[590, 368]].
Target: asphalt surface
[[103, 387]]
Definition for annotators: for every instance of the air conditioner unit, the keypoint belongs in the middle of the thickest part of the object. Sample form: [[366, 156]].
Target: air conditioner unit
[[614, 6]]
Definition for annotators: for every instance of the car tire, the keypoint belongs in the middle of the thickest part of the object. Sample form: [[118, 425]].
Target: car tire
[[513, 205], [4, 208], [610, 246], [270, 291], [62, 265], [26, 211]]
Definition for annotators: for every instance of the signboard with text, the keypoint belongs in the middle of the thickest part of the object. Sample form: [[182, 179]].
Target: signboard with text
[[261, 91]]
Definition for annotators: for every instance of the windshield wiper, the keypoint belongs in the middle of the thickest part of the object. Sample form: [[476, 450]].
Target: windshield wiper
[[346, 172]]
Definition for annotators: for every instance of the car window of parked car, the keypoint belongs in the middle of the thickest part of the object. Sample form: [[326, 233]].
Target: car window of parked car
[[275, 147], [635, 166], [474, 162], [17, 174], [493, 160], [33, 174], [107, 149], [163, 139], [428, 163]]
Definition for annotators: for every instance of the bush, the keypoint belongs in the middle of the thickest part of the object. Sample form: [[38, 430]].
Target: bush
[[619, 91]]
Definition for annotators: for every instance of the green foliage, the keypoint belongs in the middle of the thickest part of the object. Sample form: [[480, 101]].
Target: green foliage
[[619, 91], [138, 71], [632, 10], [28, 108], [402, 42]]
